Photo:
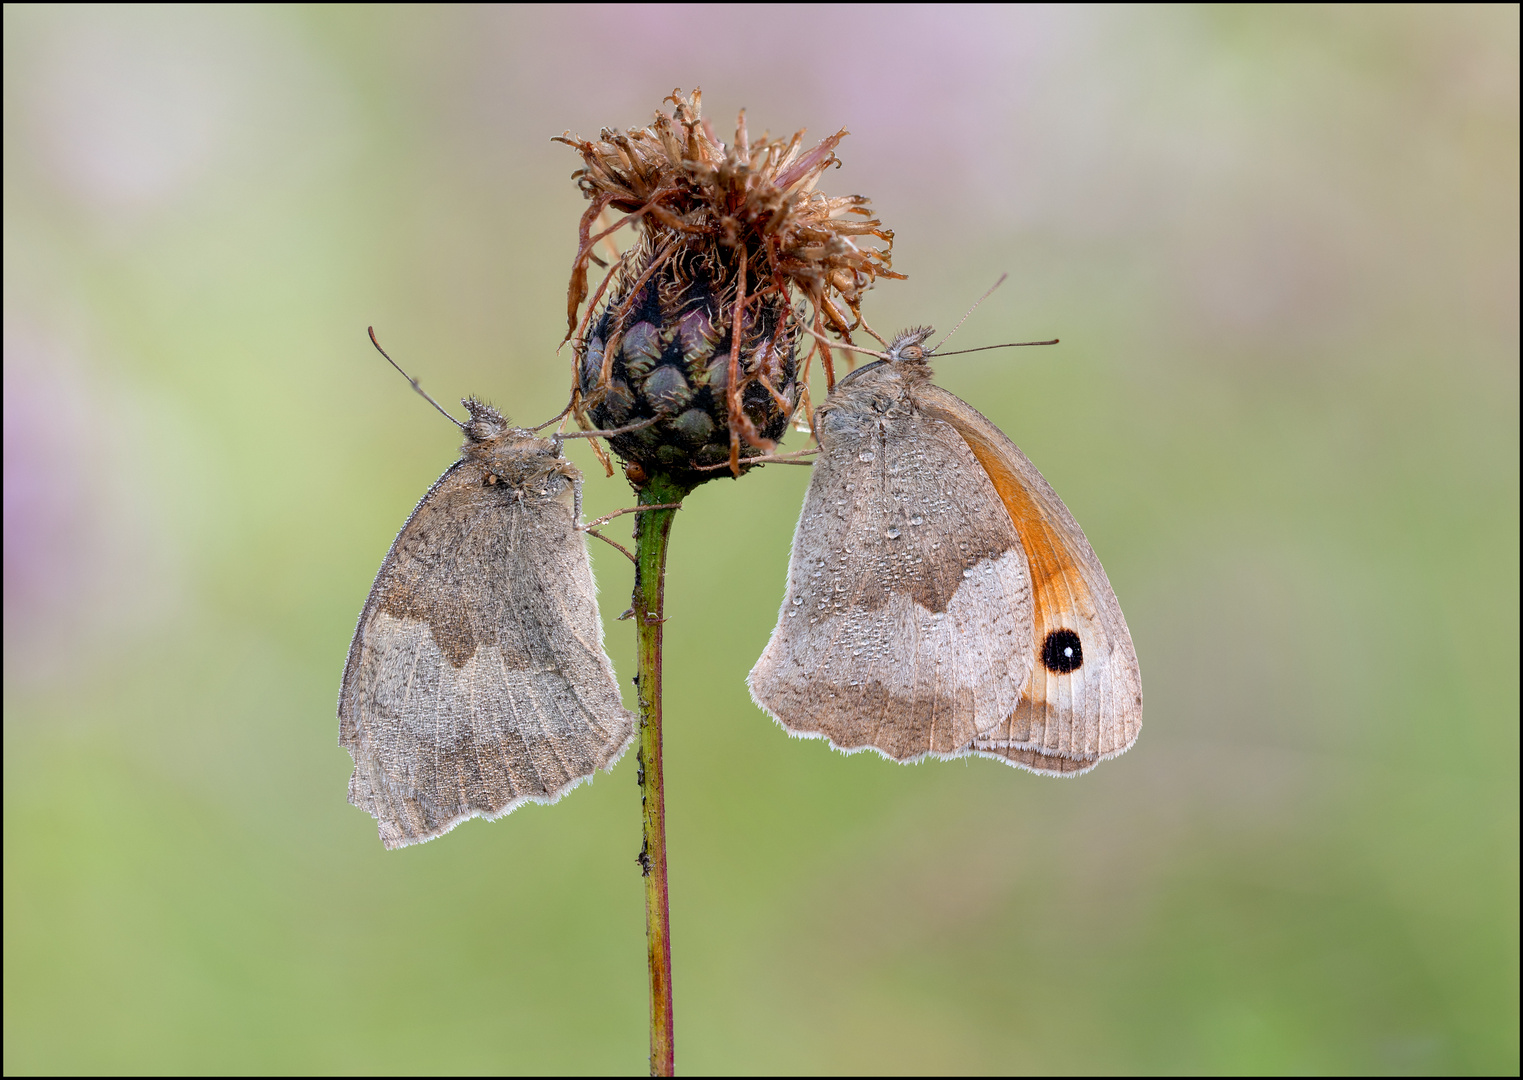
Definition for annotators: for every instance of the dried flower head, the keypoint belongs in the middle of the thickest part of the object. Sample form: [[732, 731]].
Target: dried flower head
[[698, 331]]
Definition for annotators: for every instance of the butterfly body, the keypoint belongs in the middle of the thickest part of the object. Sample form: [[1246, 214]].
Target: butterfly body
[[477, 680], [941, 600]]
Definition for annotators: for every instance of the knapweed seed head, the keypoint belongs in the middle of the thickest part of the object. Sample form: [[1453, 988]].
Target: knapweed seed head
[[693, 332]]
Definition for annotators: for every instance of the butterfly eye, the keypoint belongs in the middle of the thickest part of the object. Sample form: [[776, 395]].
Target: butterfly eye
[[912, 352]]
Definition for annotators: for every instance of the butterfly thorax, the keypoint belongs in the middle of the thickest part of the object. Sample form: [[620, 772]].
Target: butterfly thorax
[[877, 397], [513, 457]]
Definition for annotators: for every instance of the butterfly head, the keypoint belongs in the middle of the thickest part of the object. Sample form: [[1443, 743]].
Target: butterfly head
[[486, 423], [910, 344]]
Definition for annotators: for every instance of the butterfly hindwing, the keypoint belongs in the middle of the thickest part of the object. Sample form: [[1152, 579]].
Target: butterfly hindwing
[[477, 679], [906, 627]]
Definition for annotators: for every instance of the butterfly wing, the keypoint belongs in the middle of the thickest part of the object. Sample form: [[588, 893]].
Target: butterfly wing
[[1082, 700], [477, 679], [906, 627]]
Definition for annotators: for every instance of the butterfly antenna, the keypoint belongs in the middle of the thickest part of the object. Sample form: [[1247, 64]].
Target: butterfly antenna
[[1007, 345], [554, 419], [412, 380], [971, 310], [636, 426]]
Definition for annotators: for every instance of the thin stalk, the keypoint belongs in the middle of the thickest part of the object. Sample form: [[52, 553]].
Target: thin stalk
[[652, 530]]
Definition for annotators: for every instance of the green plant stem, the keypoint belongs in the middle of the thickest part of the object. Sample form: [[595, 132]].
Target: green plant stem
[[652, 530]]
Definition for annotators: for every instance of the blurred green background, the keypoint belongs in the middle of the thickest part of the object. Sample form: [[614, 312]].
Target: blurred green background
[[1281, 249]]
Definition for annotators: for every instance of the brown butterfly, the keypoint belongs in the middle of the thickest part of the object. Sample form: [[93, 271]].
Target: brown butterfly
[[477, 680], [941, 599]]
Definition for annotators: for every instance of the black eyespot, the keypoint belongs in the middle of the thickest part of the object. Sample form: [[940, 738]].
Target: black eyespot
[[1061, 652]]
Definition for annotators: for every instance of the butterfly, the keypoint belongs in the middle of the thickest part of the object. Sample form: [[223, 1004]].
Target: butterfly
[[941, 599], [477, 679]]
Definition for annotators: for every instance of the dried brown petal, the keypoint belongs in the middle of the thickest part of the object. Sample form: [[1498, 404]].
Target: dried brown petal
[[698, 332]]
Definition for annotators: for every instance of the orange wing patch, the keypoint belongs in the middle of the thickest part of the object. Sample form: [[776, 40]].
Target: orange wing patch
[[1082, 700]]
